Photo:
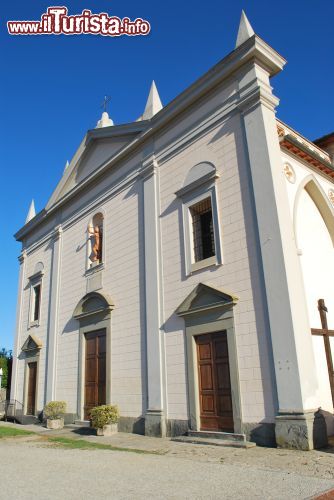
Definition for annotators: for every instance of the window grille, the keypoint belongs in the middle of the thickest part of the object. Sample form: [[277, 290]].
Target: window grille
[[203, 233]]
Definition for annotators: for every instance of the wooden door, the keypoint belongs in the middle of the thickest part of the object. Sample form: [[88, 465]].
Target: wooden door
[[95, 371], [32, 379], [214, 382]]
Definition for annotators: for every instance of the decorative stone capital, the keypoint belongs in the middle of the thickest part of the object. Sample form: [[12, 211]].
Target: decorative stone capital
[[149, 167], [22, 256], [57, 233], [255, 98]]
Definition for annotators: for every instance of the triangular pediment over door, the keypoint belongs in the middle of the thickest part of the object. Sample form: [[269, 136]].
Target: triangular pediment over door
[[205, 297], [32, 343]]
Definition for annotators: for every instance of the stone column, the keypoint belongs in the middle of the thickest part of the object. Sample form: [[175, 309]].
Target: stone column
[[297, 386], [52, 341], [17, 342], [155, 418]]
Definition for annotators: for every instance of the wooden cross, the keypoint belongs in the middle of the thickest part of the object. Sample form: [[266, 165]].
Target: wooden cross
[[326, 333]]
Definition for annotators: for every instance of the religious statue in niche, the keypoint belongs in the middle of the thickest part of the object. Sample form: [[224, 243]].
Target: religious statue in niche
[[95, 236]]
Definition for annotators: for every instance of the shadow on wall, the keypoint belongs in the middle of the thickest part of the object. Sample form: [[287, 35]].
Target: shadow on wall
[[329, 421], [176, 206], [71, 326], [263, 434], [320, 431]]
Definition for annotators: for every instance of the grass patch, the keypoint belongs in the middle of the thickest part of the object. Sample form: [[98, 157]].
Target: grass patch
[[82, 444], [13, 432]]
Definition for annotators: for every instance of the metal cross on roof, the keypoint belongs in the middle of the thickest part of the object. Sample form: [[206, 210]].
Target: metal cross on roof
[[105, 103]]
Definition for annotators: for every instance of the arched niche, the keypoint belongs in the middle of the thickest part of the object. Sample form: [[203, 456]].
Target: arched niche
[[95, 243], [93, 303], [199, 174], [39, 268]]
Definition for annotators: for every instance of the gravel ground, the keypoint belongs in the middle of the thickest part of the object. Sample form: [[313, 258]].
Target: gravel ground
[[32, 468], [315, 463]]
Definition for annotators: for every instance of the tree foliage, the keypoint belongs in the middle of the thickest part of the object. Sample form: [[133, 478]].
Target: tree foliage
[[5, 358]]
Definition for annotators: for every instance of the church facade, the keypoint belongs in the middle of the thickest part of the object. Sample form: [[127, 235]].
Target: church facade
[[178, 268]]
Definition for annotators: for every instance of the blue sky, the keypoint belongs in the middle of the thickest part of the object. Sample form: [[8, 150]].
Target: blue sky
[[52, 87]]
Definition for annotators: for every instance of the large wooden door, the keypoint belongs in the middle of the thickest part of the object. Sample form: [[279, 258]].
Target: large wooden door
[[214, 382], [32, 379], [95, 371]]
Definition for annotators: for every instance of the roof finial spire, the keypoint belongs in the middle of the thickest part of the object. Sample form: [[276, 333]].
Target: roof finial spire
[[31, 212], [153, 104], [66, 166], [245, 30], [105, 120]]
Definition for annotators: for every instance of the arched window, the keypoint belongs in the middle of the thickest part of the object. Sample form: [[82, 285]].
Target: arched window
[[35, 282], [95, 240], [201, 228]]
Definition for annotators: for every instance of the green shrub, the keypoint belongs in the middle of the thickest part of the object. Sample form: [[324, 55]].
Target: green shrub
[[103, 415], [55, 409]]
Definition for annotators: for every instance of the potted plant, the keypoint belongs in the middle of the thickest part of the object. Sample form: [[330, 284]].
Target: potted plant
[[105, 419], [54, 413]]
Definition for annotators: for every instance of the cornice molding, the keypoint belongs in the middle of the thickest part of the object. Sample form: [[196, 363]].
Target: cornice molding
[[149, 167], [36, 276], [22, 256], [256, 97], [304, 152], [116, 131]]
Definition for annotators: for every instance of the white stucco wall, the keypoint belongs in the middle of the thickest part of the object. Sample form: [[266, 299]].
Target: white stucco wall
[[317, 261], [315, 247]]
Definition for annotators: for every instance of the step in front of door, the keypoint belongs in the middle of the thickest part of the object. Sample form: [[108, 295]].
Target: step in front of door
[[214, 442], [229, 436], [82, 423]]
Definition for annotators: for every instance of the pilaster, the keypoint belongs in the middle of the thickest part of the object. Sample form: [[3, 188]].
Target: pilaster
[[52, 341], [294, 362], [18, 328], [155, 418]]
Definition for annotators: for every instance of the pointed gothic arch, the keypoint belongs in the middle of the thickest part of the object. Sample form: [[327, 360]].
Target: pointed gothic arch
[[314, 231], [318, 196]]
